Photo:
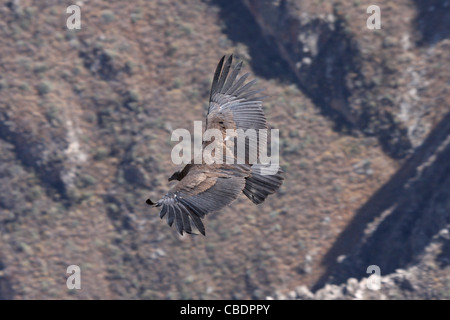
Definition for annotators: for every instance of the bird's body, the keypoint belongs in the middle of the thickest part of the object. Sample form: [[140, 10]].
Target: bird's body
[[208, 187]]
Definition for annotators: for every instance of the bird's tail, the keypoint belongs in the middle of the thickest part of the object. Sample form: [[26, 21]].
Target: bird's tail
[[259, 186]]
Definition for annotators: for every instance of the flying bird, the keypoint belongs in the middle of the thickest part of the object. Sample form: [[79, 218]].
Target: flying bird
[[204, 188]]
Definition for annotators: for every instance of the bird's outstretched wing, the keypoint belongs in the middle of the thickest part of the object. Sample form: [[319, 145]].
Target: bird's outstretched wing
[[204, 189], [232, 104]]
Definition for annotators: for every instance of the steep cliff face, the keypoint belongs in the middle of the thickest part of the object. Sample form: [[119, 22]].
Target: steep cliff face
[[427, 278], [328, 54], [400, 220], [433, 21], [355, 72]]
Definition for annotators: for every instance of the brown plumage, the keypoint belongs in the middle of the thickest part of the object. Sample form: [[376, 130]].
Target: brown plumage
[[204, 188]]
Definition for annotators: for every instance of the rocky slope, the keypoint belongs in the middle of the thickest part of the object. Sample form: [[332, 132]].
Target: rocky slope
[[398, 222], [85, 123], [426, 278], [328, 48]]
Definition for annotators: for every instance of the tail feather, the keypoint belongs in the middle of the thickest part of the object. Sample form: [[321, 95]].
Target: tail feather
[[258, 187]]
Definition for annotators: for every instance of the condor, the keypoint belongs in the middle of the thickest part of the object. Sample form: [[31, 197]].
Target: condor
[[204, 188]]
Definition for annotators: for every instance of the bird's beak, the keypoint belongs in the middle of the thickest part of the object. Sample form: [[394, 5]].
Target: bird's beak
[[150, 202]]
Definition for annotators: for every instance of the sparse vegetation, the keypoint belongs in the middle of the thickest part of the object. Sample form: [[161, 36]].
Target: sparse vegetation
[[44, 87], [108, 16], [80, 108]]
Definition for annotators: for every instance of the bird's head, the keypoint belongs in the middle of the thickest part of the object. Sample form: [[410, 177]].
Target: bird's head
[[175, 176], [151, 203]]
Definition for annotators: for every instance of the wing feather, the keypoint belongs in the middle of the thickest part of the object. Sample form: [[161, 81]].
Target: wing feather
[[170, 214], [217, 75], [192, 198], [232, 77], [228, 94], [163, 212], [193, 215], [224, 74]]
